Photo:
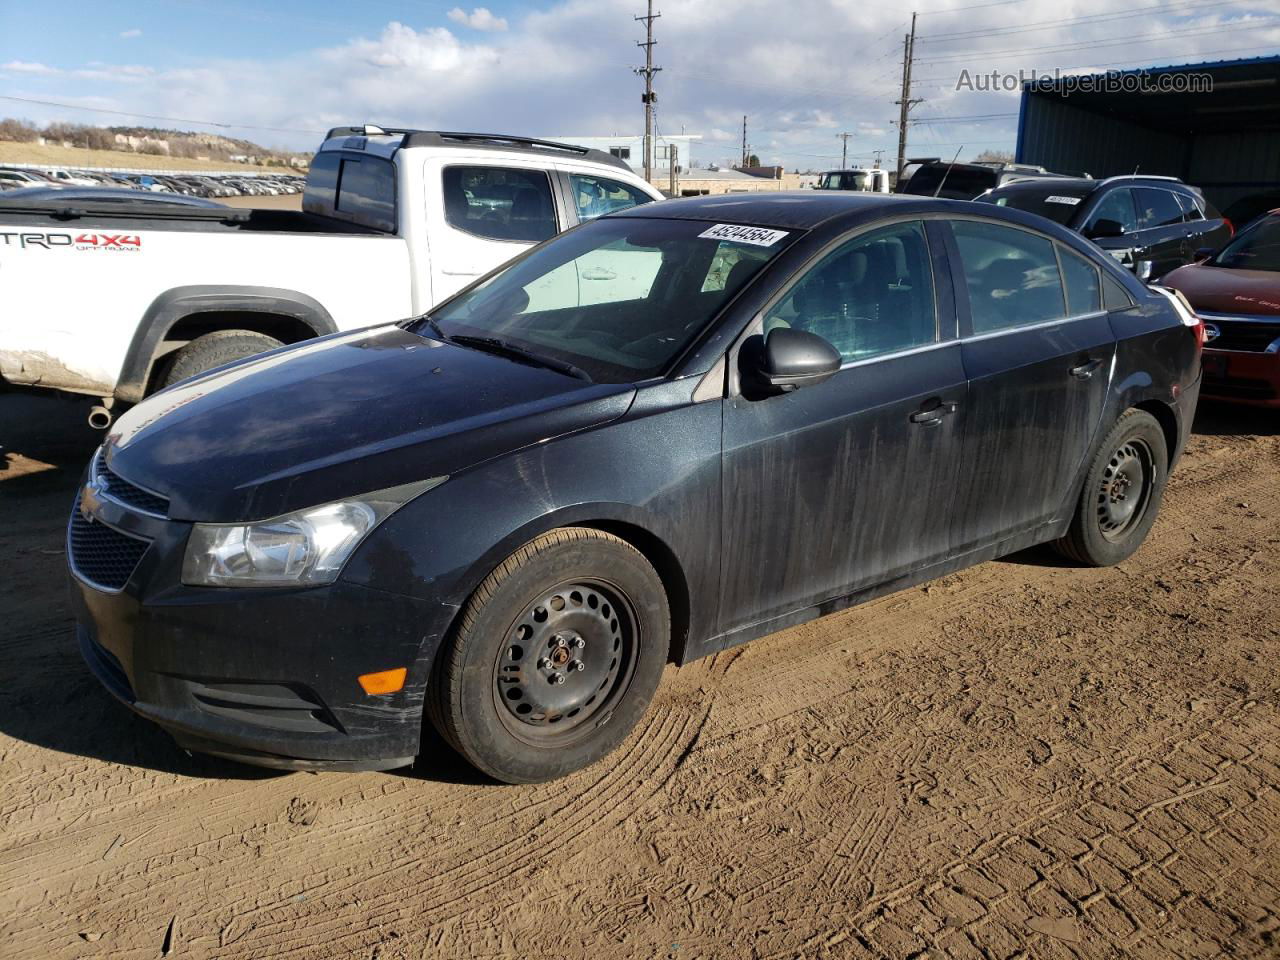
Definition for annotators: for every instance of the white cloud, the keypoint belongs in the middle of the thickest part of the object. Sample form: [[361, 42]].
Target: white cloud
[[478, 19], [825, 67], [130, 34], [34, 69]]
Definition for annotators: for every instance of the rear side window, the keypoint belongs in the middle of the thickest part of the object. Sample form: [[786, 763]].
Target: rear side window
[[1190, 209], [1117, 206], [500, 203], [1080, 277], [596, 196], [359, 189], [1114, 295], [1157, 208], [869, 296], [1012, 276]]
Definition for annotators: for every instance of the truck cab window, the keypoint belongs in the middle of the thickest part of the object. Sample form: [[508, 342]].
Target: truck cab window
[[500, 203]]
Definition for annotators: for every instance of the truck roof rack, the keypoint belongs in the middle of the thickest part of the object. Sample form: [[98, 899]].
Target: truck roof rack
[[493, 141]]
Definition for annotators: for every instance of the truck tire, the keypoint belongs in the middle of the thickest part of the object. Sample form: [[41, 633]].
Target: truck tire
[[555, 659], [213, 350], [1121, 494]]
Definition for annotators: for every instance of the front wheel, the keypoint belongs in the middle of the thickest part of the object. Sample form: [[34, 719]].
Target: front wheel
[[556, 657], [213, 350], [1121, 494]]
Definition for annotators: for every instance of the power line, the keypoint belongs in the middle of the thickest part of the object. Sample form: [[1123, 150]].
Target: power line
[[1087, 19], [1128, 41], [152, 116]]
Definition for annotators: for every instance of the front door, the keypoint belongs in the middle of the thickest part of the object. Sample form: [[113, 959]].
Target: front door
[[1037, 350], [847, 484]]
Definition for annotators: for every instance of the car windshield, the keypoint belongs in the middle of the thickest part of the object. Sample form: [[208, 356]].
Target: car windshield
[[843, 180], [1257, 248], [1054, 202], [618, 298]]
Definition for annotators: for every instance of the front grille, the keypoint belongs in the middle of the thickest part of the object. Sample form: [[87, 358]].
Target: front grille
[[101, 555], [1244, 335], [131, 495]]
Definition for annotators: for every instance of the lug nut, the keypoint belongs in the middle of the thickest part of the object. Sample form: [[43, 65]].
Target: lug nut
[[544, 664], [561, 641], [560, 678], [579, 643], [578, 665]]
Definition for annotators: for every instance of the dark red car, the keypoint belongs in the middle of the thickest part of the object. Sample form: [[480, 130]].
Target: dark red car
[[1237, 294]]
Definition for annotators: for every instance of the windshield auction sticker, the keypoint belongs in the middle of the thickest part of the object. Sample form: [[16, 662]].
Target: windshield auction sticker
[[1069, 201], [756, 236]]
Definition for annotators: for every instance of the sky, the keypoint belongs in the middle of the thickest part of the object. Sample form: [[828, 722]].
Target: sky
[[281, 72]]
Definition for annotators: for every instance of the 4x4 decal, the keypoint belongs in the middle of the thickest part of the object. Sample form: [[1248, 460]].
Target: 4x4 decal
[[118, 242]]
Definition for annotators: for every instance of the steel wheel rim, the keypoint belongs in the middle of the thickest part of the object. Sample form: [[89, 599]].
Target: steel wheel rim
[[1125, 489], [565, 661]]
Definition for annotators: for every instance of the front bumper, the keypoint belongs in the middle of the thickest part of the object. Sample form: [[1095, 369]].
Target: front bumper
[[1242, 377], [267, 677]]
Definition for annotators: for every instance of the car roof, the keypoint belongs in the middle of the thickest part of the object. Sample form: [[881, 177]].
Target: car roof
[[794, 209]]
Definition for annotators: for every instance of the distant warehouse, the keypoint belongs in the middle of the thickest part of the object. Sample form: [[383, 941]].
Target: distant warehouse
[[1214, 125]]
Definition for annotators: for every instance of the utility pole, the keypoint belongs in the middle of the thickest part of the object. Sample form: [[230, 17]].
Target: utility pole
[[905, 103], [649, 97], [672, 156], [744, 140], [844, 149]]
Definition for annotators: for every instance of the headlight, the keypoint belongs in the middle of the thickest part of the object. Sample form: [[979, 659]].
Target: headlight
[[298, 549]]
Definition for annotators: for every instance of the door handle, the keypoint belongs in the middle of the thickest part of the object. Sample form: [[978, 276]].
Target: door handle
[[1086, 370], [931, 416]]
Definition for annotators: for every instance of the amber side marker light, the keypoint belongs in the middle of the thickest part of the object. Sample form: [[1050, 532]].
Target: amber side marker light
[[384, 681]]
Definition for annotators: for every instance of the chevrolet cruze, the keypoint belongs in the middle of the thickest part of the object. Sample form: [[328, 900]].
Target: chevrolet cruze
[[665, 432]]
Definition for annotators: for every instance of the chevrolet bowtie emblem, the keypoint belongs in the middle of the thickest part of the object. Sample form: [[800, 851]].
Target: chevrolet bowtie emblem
[[90, 498]]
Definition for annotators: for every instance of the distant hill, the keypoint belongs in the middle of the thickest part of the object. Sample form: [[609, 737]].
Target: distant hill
[[152, 141]]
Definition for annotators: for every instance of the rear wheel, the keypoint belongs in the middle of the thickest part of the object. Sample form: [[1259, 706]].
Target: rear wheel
[[1121, 493], [556, 657], [213, 350]]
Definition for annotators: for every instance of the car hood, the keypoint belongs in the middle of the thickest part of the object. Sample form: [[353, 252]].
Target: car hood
[[1228, 290], [341, 416]]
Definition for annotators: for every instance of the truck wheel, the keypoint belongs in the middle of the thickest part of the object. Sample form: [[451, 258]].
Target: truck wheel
[[556, 657], [213, 350], [1121, 494]]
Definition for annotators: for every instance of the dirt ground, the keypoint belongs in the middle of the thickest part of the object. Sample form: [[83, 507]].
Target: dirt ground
[[1021, 760]]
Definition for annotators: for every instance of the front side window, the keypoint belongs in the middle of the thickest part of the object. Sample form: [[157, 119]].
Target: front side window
[[500, 203], [869, 296], [1117, 206], [619, 298], [1012, 276], [1157, 208], [596, 196]]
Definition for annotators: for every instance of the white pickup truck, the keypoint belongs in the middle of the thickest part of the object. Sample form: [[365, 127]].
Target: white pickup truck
[[116, 300]]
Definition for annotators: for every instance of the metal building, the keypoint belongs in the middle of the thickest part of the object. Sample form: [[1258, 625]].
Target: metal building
[[1162, 120]]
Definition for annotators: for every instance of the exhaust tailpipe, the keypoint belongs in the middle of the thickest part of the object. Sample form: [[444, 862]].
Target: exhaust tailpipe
[[100, 418]]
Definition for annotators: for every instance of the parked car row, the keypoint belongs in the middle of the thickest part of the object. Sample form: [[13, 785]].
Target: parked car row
[[206, 185]]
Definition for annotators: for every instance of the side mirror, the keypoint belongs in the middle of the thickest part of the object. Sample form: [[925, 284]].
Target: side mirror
[[1104, 229], [1143, 268], [793, 358]]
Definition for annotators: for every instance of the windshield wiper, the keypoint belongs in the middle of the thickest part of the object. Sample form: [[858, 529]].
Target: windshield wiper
[[508, 349]]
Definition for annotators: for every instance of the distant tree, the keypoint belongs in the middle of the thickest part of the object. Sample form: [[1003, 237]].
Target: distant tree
[[18, 131], [994, 156]]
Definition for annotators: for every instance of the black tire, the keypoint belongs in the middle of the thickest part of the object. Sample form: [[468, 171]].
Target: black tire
[[213, 350], [494, 695], [1121, 494]]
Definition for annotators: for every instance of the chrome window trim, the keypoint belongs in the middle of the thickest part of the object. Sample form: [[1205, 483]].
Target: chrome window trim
[[1034, 326]]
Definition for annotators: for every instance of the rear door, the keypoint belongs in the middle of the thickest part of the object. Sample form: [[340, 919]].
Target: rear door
[[1161, 229], [1037, 350], [482, 213], [848, 483]]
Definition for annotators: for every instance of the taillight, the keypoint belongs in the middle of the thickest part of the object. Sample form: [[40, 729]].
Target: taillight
[[1230, 226]]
